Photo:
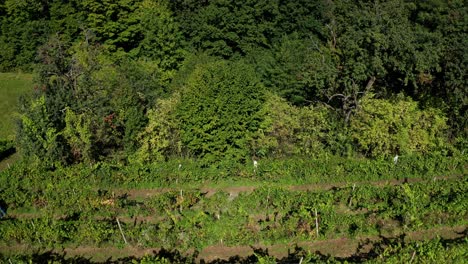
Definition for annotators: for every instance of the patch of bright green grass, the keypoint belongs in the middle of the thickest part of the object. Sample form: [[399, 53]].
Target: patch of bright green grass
[[12, 86]]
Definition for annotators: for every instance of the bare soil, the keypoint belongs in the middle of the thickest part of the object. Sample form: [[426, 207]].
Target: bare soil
[[338, 247], [234, 191]]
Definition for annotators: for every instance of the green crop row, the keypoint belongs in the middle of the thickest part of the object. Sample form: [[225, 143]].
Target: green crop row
[[191, 219], [187, 173]]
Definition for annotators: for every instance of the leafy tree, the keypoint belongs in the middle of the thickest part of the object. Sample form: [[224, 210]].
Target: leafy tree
[[384, 128], [287, 130], [276, 133], [38, 140], [372, 47], [115, 98], [228, 28], [219, 110], [160, 138], [67, 19], [163, 40], [115, 23], [77, 133], [140, 83], [22, 29], [302, 17], [446, 88], [97, 108], [42, 114], [297, 69]]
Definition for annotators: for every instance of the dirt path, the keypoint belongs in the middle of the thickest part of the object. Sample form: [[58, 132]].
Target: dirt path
[[234, 191], [338, 247]]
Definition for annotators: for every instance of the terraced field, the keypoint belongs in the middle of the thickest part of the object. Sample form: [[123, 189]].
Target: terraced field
[[76, 220]]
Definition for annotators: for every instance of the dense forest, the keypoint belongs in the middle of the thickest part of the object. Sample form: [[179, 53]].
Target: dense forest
[[141, 81], [222, 131]]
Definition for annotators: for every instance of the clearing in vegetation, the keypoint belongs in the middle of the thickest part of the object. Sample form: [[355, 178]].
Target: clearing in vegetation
[[12, 86]]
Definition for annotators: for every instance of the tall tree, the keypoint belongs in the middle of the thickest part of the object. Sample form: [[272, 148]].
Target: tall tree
[[219, 111], [23, 28], [115, 23], [228, 28], [162, 40]]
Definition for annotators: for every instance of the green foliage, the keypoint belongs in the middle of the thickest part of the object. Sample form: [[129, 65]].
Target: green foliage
[[276, 134], [219, 111], [115, 23], [96, 105], [427, 251], [307, 52], [78, 135], [6, 148], [163, 40], [265, 259], [139, 84], [288, 129], [23, 28], [382, 43], [38, 138], [278, 67], [447, 87], [383, 128], [160, 138], [120, 99], [69, 206], [65, 18], [229, 28]]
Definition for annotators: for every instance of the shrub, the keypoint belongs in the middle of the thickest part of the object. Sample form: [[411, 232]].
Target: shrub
[[287, 129], [78, 135], [161, 137], [38, 139], [388, 127], [219, 111], [6, 148], [276, 133]]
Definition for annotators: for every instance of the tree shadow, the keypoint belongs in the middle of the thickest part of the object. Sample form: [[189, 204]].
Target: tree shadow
[[367, 250]]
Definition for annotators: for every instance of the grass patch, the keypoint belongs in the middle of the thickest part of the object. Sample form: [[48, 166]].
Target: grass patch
[[12, 86]]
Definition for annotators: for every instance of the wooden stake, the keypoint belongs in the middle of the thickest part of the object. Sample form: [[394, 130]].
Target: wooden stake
[[34, 226], [178, 173], [351, 199], [267, 204], [121, 232], [316, 222], [181, 200], [412, 257]]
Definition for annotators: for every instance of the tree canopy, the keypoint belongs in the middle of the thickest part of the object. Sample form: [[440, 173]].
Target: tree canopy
[[108, 71]]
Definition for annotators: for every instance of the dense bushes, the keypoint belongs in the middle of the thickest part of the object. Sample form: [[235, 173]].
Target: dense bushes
[[161, 137], [219, 110], [6, 148], [132, 86], [85, 107], [287, 129], [388, 127]]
